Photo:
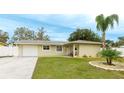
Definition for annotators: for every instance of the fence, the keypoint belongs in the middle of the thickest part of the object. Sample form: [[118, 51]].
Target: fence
[[121, 49], [8, 51]]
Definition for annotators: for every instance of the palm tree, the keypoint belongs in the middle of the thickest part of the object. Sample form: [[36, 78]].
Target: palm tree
[[103, 23]]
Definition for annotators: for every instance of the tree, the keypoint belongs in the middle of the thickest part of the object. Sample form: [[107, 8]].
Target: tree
[[109, 43], [109, 54], [3, 36], [103, 23], [121, 38], [40, 35], [23, 33], [120, 41], [84, 34]]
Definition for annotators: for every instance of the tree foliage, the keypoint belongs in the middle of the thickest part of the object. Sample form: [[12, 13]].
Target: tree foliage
[[3, 36], [103, 23], [110, 43], [109, 54], [40, 35], [120, 41], [23, 33], [84, 34]]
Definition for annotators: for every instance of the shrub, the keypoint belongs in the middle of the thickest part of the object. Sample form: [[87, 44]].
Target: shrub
[[109, 54], [84, 55], [90, 56]]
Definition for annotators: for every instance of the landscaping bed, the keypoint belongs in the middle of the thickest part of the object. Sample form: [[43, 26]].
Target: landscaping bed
[[118, 66]]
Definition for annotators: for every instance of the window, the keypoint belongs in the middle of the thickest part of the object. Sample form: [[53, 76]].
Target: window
[[59, 48], [46, 47], [75, 48]]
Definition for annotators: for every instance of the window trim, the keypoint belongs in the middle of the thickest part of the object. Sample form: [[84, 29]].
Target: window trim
[[45, 49]]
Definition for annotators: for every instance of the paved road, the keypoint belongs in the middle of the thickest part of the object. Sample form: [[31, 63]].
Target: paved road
[[17, 67]]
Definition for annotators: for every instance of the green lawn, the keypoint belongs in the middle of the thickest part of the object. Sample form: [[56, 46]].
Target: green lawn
[[71, 68]]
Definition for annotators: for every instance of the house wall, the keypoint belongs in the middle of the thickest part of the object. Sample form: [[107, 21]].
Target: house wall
[[83, 49], [41, 52], [68, 49], [88, 50], [20, 50], [51, 52], [27, 50]]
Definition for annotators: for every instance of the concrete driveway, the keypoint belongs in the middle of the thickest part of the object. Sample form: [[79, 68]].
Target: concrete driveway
[[17, 67]]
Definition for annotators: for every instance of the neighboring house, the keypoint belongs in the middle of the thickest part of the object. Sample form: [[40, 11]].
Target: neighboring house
[[78, 48]]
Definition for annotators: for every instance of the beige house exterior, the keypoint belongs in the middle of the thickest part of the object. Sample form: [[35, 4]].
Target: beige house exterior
[[39, 48]]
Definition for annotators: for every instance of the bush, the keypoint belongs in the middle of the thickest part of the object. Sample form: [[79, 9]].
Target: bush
[[85, 56], [109, 54]]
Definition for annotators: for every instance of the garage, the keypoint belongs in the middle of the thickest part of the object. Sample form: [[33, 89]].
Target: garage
[[29, 50]]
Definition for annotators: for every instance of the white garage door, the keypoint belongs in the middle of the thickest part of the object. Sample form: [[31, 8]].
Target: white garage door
[[30, 50]]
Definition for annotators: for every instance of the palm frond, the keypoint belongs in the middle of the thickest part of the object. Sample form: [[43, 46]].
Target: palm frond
[[109, 22], [115, 18], [104, 23], [100, 21], [100, 18]]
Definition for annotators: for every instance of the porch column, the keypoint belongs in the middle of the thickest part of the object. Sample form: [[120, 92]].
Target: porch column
[[73, 50]]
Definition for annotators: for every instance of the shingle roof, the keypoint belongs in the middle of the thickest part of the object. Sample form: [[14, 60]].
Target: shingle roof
[[84, 42], [40, 42]]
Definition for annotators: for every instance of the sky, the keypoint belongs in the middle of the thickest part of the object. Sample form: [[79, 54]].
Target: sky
[[57, 26], [60, 17]]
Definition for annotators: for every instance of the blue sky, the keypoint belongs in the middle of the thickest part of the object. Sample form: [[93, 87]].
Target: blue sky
[[57, 26]]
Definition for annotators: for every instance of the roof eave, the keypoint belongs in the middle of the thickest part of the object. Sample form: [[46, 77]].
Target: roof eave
[[35, 44], [83, 43]]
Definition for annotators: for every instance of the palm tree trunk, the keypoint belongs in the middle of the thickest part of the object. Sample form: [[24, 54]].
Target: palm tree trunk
[[107, 59], [103, 40], [110, 61]]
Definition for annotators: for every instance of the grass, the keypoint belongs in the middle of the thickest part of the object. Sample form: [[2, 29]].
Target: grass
[[72, 68]]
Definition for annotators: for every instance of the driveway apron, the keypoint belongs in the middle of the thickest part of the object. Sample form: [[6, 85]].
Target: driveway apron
[[17, 67]]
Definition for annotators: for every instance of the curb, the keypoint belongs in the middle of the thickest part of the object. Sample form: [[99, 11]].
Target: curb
[[104, 67]]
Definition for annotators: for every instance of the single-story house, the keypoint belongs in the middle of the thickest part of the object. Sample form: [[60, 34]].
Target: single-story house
[[77, 48]]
